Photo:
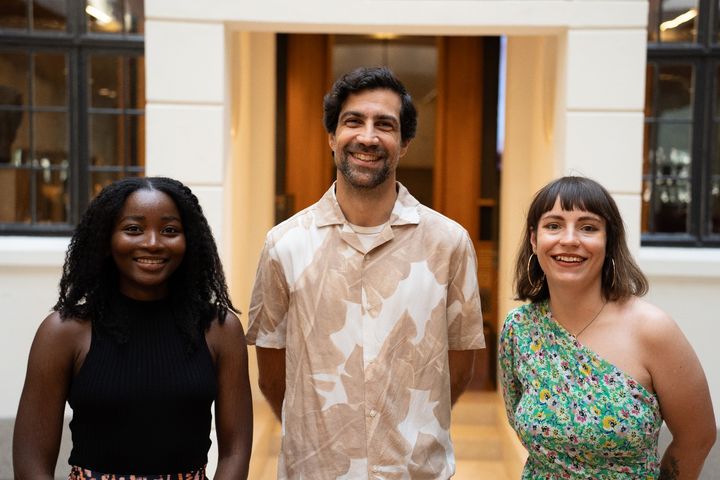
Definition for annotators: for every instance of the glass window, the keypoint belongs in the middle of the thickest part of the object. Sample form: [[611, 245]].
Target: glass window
[[71, 111], [681, 165], [14, 14], [115, 16], [678, 21], [49, 14]]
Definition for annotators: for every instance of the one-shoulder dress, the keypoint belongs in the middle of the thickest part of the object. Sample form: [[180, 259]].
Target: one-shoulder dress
[[578, 415]]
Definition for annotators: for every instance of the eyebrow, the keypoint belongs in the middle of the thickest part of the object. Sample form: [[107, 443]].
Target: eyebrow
[[354, 113], [584, 218], [138, 218]]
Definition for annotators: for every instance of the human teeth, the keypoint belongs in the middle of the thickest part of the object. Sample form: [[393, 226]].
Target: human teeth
[[563, 258], [150, 260], [365, 157]]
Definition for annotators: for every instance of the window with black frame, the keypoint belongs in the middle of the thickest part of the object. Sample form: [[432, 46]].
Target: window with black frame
[[72, 100], [681, 165]]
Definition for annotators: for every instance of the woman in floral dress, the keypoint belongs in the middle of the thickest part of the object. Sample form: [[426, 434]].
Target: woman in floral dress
[[589, 370]]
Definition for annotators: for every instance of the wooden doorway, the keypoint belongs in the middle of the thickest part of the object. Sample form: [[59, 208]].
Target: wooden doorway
[[452, 164]]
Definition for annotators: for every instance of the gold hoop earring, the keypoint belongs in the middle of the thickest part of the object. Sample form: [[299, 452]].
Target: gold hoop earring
[[614, 273], [536, 287]]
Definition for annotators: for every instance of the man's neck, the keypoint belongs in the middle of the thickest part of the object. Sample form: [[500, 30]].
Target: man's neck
[[366, 207]]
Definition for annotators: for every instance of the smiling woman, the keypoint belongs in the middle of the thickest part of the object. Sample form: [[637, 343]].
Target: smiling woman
[[143, 341], [147, 244], [593, 407]]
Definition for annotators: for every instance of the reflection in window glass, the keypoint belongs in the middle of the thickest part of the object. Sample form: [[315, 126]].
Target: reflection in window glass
[[104, 16], [675, 92], [673, 150], [105, 81], [135, 16], [14, 71], [99, 180], [14, 137], [52, 200], [136, 89], [15, 190], [672, 205], [678, 21], [653, 20], [136, 142], [50, 79], [13, 14], [49, 14], [669, 193], [106, 139], [51, 137]]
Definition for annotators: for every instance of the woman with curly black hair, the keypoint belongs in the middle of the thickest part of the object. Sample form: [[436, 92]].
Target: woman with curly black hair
[[142, 341]]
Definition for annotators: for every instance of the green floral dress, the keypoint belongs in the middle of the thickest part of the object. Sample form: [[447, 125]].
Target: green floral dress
[[577, 414]]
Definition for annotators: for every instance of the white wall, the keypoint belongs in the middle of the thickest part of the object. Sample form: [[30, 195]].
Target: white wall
[[30, 270]]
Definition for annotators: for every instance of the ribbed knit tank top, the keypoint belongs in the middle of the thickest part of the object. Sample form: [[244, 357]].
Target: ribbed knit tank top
[[143, 407]]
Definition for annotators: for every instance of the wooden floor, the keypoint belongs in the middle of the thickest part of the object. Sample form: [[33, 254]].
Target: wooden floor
[[474, 433]]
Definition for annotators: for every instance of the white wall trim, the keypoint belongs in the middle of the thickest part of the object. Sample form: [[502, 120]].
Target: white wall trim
[[33, 251], [680, 262]]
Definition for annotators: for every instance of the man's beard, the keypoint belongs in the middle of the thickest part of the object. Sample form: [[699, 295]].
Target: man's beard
[[361, 180]]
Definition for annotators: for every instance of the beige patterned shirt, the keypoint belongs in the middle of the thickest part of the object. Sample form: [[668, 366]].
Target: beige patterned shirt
[[366, 333]]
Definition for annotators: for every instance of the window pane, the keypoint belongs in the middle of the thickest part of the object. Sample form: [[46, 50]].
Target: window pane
[[49, 14], [53, 200], [653, 20], [50, 79], [136, 88], [14, 137], [104, 16], [100, 180], [672, 205], [14, 195], [673, 151], [135, 16], [671, 195], [106, 133], [14, 72], [13, 14], [51, 138], [678, 22], [136, 147], [105, 81], [675, 92]]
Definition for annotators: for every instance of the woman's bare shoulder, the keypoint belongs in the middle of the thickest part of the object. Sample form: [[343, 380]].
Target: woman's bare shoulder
[[653, 325], [64, 333]]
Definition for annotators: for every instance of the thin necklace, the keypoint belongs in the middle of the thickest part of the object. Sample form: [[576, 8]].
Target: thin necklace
[[577, 335]]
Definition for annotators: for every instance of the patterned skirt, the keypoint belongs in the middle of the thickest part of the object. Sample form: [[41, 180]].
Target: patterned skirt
[[77, 473]]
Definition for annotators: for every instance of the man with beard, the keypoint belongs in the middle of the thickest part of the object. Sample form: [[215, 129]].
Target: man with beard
[[365, 311]]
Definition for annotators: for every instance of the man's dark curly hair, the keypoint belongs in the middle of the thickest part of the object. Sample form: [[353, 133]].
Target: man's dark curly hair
[[369, 78], [89, 286]]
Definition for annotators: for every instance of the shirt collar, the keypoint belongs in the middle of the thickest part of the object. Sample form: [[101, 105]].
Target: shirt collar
[[404, 212]]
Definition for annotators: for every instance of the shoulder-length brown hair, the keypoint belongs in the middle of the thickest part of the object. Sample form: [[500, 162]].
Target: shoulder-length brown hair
[[621, 277]]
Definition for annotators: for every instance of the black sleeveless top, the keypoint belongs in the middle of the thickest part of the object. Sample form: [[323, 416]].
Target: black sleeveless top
[[143, 407]]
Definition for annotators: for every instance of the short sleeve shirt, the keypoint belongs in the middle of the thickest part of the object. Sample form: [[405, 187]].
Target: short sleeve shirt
[[366, 333]]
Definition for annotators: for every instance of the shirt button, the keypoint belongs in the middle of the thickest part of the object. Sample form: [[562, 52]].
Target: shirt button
[[373, 412], [375, 469]]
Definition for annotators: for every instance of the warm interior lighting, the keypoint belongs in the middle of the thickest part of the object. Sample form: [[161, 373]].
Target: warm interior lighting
[[101, 17], [679, 20], [384, 36]]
